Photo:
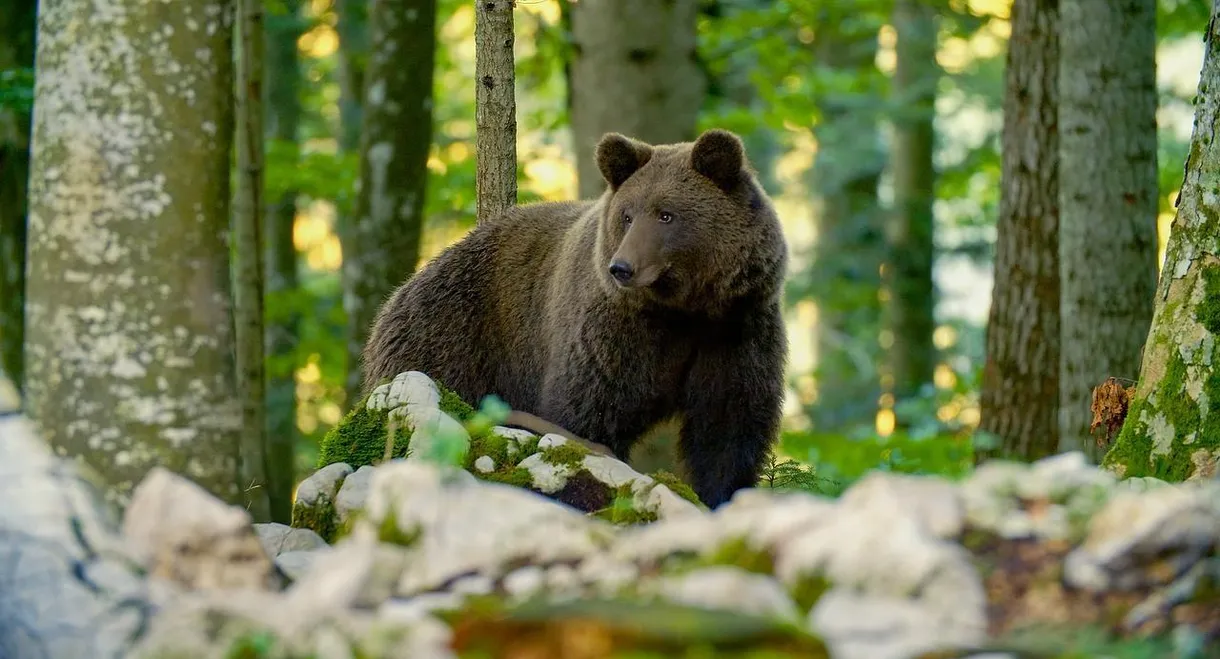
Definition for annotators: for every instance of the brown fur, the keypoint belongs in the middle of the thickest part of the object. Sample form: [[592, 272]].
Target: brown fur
[[525, 307]]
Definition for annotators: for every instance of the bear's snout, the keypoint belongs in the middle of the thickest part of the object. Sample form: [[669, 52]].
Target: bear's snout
[[621, 271]]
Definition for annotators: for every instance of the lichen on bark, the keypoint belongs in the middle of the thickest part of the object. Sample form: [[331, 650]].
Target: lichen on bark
[[130, 342], [1172, 429]]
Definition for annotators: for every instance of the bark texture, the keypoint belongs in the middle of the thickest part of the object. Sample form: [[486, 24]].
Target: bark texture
[[248, 230], [130, 351], [1020, 393], [1172, 429], [495, 109], [634, 72], [282, 331], [912, 295], [17, 24], [845, 274], [384, 241], [1107, 200]]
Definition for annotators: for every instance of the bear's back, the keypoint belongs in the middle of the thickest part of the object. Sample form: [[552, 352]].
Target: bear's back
[[473, 316]]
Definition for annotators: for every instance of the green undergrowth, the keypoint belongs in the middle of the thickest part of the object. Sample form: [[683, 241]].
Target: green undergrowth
[[827, 464]]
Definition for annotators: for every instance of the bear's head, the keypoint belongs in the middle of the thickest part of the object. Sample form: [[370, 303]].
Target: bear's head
[[686, 225]]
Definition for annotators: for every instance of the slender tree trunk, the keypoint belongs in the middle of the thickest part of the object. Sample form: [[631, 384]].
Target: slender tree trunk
[[248, 225], [1172, 429], [130, 353], [353, 55], [353, 32], [393, 164], [17, 26], [1107, 200], [634, 72], [1020, 393], [495, 109], [845, 272], [283, 114], [911, 291]]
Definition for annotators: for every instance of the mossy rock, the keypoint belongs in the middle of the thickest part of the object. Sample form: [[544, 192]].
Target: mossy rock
[[359, 439], [496, 455]]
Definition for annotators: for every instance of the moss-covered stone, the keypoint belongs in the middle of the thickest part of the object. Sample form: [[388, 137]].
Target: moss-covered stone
[[622, 509], [360, 438], [677, 486], [453, 405], [320, 517], [568, 453], [491, 445]]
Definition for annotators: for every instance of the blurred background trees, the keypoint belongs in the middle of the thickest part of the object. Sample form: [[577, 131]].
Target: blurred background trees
[[879, 127]]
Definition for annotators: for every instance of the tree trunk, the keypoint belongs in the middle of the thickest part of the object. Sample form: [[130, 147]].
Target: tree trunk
[[1107, 200], [845, 273], [247, 229], [130, 348], [911, 292], [633, 72], [495, 109], [283, 124], [17, 25], [1020, 393], [385, 239], [352, 26], [1172, 429]]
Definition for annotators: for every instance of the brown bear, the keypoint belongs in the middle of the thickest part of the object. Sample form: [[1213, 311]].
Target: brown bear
[[660, 299]]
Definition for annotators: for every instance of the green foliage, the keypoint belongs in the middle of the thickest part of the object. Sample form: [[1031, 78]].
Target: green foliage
[[835, 461], [17, 89]]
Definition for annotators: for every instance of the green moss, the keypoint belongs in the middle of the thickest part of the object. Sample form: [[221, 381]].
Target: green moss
[[359, 439], [567, 453], [677, 486], [808, 590], [517, 477], [622, 509], [491, 445], [388, 531], [738, 552], [319, 517], [1208, 311], [453, 405], [1133, 449]]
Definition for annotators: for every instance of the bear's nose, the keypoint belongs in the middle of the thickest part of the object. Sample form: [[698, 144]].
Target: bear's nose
[[621, 271]]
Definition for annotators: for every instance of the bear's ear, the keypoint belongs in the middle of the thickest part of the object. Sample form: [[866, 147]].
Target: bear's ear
[[720, 156], [619, 156]]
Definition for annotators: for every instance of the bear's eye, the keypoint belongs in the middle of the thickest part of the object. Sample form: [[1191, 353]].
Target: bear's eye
[[626, 219], [666, 218]]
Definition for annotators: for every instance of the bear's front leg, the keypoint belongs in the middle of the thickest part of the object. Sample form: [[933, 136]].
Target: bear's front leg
[[733, 404]]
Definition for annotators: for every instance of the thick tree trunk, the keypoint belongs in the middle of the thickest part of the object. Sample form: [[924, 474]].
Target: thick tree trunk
[[385, 238], [845, 273], [248, 233], [1172, 429], [495, 109], [70, 590], [283, 124], [912, 295], [130, 327], [17, 25], [1107, 200], [1020, 393], [633, 72]]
